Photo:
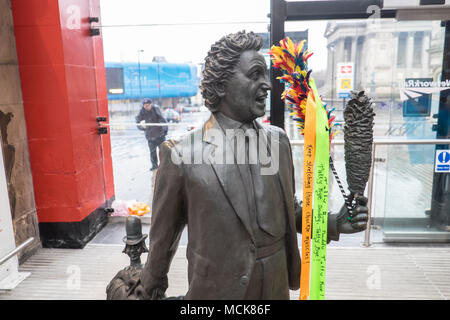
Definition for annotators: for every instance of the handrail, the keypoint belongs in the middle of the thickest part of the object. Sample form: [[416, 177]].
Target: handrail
[[380, 141], [16, 250], [385, 141], [155, 124]]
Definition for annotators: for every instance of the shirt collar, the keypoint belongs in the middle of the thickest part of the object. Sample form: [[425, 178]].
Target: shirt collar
[[228, 123]]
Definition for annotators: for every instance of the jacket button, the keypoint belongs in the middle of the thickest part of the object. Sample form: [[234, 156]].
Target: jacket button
[[244, 280], [252, 248]]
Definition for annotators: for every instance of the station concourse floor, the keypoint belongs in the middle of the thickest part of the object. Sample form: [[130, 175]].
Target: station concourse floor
[[354, 272]]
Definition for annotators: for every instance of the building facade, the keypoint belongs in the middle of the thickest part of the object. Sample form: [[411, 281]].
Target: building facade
[[384, 53]]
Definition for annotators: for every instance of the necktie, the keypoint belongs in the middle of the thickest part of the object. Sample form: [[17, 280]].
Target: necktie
[[251, 148], [261, 187]]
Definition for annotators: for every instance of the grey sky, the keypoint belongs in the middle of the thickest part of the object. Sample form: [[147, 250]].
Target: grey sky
[[179, 41]]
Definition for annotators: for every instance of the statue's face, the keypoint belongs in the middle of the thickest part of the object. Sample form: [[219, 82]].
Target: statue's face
[[135, 251], [246, 92]]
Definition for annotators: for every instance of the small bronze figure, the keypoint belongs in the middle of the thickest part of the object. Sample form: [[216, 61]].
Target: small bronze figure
[[135, 241], [123, 284]]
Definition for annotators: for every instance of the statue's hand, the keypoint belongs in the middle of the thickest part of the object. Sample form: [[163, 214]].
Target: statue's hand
[[141, 294], [156, 291], [127, 285], [356, 219]]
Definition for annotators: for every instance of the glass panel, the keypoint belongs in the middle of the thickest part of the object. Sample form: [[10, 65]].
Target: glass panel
[[409, 175], [133, 179], [392, 61], [408, 195], [154, 50]]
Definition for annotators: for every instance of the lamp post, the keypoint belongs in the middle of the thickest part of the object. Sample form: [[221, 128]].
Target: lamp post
[[159, 84], [139, 71], [332, 49]]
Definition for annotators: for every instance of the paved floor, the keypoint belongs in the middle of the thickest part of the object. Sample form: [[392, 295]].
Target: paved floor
[[353, 272]]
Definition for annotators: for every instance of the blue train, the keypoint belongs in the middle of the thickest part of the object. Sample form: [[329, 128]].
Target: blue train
[[150, 80]]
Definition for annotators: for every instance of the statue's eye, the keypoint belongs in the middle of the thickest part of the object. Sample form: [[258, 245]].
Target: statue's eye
[[255, 75]]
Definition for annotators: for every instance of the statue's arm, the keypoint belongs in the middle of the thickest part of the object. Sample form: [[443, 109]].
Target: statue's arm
[[345, 221], [167, 224], [332, 228]]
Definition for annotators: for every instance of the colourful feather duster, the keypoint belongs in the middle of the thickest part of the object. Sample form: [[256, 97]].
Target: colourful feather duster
[[291, 59]]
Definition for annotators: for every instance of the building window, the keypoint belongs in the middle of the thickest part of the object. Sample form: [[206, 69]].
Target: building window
[[401, 50], [359, 61], [348, 49], [114, 80], [418, 46]]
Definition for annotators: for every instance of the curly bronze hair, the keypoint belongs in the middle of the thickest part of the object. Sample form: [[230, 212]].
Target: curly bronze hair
[[220, 62]]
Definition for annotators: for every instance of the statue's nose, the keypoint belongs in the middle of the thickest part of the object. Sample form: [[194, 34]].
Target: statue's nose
[[267, 85]]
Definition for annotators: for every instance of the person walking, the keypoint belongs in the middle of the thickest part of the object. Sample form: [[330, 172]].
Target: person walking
[[155, 135]]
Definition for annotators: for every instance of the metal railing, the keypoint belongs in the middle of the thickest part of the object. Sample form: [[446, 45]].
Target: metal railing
[[379, 142], [16, 250], [376, 142]]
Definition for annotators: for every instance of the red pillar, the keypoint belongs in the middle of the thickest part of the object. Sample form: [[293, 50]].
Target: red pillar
[[64, 90]]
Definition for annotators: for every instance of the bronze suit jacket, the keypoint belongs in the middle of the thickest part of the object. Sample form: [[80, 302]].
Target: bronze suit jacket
[[211, 199]]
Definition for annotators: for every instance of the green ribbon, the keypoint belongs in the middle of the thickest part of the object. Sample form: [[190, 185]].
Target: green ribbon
[[320, 215]]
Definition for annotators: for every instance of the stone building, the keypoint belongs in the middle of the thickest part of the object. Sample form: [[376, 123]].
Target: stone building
[[384, 53]]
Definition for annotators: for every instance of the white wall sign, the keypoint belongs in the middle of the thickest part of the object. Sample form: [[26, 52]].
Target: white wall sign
[[442, 161], [344, 79]]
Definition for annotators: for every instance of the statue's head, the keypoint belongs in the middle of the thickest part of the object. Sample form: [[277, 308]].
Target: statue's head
[[134, 240], [235, 80]]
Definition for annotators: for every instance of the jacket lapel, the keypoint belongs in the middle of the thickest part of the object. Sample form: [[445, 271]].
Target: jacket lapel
[[229, 175], [284, 173], [267, 138]]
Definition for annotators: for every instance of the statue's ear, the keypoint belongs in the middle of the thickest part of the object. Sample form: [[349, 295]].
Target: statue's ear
[[220, 89]]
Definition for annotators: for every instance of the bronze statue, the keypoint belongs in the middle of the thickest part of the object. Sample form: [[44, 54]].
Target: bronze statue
[[242, 224]]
